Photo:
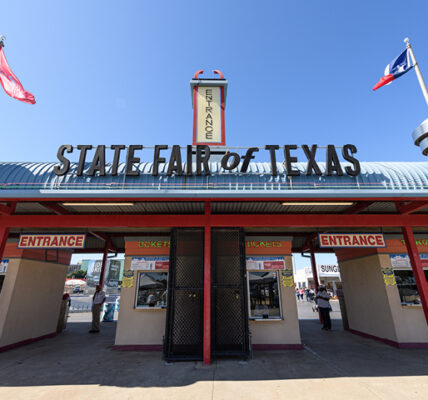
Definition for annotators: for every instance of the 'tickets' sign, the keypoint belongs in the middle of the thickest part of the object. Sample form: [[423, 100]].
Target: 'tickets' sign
[[352, 240], [51, 241]]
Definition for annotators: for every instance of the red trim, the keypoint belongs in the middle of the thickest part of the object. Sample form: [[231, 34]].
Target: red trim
[[26, 341], [218, 72], [418, 271], [207, 286], [137, 347], [199, 71], [384, 81], [223, 124], [400, 345], [412, 207], [195, 114], [264, 347]]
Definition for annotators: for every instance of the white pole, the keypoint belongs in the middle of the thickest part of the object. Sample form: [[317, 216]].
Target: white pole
[[418, 71]]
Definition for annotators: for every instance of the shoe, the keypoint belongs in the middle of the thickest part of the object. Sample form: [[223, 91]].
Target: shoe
[[91, 331]]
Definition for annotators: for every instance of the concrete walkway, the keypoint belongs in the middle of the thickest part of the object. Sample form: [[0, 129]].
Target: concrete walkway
[[336, 364]]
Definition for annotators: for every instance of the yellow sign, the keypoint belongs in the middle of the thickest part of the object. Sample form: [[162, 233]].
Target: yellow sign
[[128, 279], [209, 115], [388, 277], [287, 279]]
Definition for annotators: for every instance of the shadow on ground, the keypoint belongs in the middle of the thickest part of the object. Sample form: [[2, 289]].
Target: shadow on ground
[[78, 358]]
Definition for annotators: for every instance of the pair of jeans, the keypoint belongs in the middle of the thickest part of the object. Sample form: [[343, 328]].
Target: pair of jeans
[[325, 317], [96, 311]]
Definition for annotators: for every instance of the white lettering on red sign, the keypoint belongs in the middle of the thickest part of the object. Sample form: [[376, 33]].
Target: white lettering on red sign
[[52, 241], [352, 240]]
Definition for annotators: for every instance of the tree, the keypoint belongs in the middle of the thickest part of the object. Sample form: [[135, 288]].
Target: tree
[[80, 274]]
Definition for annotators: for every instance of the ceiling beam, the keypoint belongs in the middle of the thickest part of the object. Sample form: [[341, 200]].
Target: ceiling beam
[[318, 221], [409, 208], [55, 208], [356, 208]]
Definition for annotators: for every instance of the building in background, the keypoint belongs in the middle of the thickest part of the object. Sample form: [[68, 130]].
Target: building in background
[[328, 275]]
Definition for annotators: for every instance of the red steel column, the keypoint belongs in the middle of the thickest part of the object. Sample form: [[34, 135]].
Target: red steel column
[[4, 233], [314, 271], [417, 268], [207, 285], [103, 267], [314, 266]]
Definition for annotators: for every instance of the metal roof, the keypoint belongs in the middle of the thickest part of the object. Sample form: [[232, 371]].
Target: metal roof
[[379, 179]]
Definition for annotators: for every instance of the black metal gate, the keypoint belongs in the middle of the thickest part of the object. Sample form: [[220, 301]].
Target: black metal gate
[[229, 310], [184, 321]]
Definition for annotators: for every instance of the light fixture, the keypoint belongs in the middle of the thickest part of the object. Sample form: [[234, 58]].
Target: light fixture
[[318, 203], [96, 204]]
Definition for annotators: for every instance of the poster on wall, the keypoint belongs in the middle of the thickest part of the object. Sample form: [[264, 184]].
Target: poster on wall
[[388, 276], [128, 279], [149, 263], [256, 263], [3, 266], [403, 261], [287, 279]]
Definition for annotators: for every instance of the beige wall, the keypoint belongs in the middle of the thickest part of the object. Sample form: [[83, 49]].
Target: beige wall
[[138, 326], [376, 309], [367, 302], [30, 299], [285, 331]]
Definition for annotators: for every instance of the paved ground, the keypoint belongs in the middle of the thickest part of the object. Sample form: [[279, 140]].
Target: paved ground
[[336, 364]]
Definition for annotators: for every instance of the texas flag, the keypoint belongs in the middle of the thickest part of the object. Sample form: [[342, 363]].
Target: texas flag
[[397, 67], [11, 84]]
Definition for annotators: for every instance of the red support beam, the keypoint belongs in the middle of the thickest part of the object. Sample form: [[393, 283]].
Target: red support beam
[[314, 271], [217, 220], [105, 238], [412, 207], [104, 263], [356, 208], [4, 234], [55, 208], [418, 271], [207, 286]]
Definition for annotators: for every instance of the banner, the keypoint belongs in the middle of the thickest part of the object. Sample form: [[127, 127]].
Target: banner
[[149, 263], [256, 263], [351, 240], [52, 241], [403, 260]]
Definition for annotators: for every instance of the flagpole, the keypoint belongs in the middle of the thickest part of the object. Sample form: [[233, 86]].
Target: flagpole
[[418, 71]]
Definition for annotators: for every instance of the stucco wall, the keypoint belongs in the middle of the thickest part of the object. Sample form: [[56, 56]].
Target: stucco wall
[[367, 302], [138, 326], [30, 300]]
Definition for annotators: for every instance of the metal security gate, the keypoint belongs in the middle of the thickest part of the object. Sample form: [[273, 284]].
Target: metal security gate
[[184, 321], [229, 310]]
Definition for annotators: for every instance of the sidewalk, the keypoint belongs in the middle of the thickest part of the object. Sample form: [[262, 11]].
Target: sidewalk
[[336, 364]]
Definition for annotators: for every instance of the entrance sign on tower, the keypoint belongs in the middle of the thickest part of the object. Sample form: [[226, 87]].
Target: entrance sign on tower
[[208, 100]]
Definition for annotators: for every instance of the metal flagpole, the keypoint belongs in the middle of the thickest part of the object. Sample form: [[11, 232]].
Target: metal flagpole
[[418, 71]]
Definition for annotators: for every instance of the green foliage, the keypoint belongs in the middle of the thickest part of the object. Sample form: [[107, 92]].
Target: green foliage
[[80, 274]]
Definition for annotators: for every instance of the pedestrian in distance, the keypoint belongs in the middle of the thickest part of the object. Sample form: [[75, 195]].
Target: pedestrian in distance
[[301, 293], [323, 302], [97, 302], [307, 294]]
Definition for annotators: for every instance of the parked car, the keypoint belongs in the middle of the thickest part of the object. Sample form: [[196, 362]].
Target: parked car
[[77, 289]]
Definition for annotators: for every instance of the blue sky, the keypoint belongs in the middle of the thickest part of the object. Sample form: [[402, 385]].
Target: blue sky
[[300, 72]]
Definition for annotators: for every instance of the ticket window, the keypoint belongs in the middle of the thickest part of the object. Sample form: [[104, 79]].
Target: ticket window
[[406, 286], [151, 290], [264, 295]]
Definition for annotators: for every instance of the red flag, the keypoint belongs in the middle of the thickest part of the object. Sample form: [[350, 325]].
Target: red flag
[[11, 84]]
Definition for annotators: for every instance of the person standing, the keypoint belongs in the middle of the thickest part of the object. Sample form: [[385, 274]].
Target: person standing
[[323, 302], [97, 302]]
